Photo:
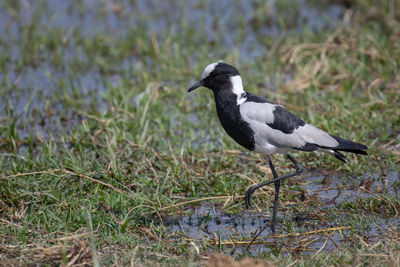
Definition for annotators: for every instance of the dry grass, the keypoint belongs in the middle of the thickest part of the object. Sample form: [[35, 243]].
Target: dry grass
[[66, 251], [136, 150]]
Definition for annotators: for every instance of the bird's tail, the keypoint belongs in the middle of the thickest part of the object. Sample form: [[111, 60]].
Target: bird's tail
[[344, 145], [347, 146]]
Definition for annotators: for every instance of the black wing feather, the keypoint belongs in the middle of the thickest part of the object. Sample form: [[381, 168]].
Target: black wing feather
[[285, 121]]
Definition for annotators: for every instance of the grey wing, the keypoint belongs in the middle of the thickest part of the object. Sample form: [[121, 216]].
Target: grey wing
[[275, 125]]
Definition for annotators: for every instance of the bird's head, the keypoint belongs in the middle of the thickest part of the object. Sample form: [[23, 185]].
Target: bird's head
[[218, 76]]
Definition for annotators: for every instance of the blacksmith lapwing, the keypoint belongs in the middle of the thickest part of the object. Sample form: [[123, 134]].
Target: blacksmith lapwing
[[266, 128]]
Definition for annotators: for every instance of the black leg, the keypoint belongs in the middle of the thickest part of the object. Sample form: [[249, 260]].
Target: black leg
[[299, 168], [251, 190], [277, 183]]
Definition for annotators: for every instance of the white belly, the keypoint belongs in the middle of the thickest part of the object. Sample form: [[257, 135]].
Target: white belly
[[263, 147]]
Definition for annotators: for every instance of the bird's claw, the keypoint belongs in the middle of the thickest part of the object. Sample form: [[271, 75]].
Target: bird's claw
[[299, 168], [247, 197]]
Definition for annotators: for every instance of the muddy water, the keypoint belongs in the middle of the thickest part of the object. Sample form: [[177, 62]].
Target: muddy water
[[313, 231]]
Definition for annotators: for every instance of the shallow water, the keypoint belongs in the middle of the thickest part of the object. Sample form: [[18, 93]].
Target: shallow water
[[303, 233]]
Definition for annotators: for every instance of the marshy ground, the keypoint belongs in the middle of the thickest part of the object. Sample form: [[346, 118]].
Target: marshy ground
[[104, 158]]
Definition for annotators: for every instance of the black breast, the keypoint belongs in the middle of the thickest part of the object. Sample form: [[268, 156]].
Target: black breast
[[230, 118]]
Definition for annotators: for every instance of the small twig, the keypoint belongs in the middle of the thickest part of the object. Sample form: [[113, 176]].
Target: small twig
[[53, 171], [133, 256], [93, 180], [237, 242], [333, 242], [25, 174], [299, 234], [322, 247], [374, 255], [313, 232], [280, 236], [195, 201]]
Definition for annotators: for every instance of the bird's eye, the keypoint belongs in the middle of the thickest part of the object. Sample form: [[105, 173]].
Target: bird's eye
[[213, 74]]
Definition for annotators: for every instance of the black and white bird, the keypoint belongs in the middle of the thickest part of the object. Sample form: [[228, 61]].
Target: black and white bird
[[266, 128]]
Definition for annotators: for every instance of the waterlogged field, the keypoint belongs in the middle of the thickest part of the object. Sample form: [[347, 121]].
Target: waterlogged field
[[105, 160]]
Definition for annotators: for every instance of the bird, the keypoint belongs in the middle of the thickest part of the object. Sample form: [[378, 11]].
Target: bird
[[266, 128]]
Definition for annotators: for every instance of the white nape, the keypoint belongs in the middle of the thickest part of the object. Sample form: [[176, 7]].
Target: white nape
[[237, 89]]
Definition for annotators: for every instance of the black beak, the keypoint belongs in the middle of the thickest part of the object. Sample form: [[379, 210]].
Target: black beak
[[196, 85]]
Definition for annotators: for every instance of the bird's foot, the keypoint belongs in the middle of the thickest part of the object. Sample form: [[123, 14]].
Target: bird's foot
[[299, 168], [248, 195]]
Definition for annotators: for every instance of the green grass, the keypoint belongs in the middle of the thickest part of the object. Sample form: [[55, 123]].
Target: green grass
[[95, 171]]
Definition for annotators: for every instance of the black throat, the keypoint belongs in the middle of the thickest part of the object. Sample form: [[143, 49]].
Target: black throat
[[229, 115]]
